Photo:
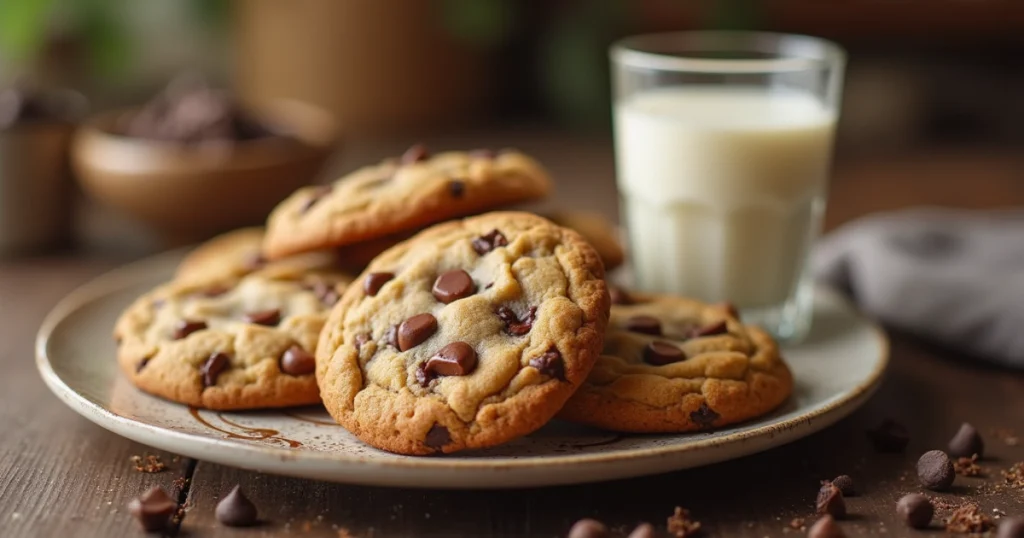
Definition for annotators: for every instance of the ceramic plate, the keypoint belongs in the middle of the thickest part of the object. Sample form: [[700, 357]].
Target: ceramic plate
[[837, 368]]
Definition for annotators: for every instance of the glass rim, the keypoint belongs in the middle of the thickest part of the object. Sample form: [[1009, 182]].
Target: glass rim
[[671, 55]]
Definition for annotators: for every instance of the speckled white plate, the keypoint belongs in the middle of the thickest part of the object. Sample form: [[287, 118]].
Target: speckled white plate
[[837, 368]]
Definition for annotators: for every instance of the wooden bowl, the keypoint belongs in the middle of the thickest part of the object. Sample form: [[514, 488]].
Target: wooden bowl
[[188, 193]]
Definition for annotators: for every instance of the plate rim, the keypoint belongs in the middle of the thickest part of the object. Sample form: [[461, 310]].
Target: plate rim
[[788, 430]]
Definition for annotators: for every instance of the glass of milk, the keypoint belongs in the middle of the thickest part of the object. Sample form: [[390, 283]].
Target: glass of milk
[[723, 144]]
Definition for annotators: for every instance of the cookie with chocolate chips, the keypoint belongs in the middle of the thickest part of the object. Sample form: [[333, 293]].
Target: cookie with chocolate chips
[[470, 334], [231, 342], [673, 365], [401, 195]]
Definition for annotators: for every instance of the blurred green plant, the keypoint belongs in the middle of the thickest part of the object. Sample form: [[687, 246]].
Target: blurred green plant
[[480, 23]]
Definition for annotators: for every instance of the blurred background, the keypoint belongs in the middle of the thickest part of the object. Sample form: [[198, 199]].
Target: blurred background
[[937, 75]]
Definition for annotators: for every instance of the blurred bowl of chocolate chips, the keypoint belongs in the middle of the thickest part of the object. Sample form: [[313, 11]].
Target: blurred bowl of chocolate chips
[[193, 162]]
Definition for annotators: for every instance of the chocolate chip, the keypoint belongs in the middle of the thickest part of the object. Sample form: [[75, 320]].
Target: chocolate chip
[[935, 470], [153, 509], [486, 243], [437, 437], [966, 443], [216, 291], [826, 527], [644, 530], [482, 154], [845, 484], [704, 416], [713, 329], [142, 364], [186, 327], [1011, 527], [456, 188], [236, 510], [269, 318], [391, 336], [662, 353], [514, 326], [457, 358], [297, 361], [915, 510], [550, 364], [214, 365], [315, 196], [413, 331], [830, 501], [323, 291], [588, 528], [889, 436], [361, 339], [644, 324], [415, 154], [619, 296], [375, 281], [453, 285]]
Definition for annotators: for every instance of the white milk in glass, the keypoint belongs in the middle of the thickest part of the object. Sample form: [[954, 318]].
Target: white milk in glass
[[722, 189]]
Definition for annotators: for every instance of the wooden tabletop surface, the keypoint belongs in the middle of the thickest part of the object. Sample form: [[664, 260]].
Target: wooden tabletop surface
[[60, 475]]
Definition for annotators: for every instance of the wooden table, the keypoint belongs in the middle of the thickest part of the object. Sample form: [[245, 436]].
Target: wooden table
[[62, 476]]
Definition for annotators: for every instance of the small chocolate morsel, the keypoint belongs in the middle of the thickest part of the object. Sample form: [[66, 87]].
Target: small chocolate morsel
[[550, 364], [375, 281], [644, 530], [456, 188], [889, 436], [644, 325], [457, 358], [830, 501], [704, 416], [297, 361], [486, 243], [1011, 527], [916, 510], [415, 154], [845, 484], [315, 196], [413, 331], [264, 317], [212, 368], [661, 353], [588, 528], [967, 442], [236, 510], [514, 326], [153, 509], [186, 327], [935, 470], [437, 437], [713, 329], [453, 285], [826, 527]]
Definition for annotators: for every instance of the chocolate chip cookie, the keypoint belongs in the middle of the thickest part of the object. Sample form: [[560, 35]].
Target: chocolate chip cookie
[[229, 343], [401, 195], [239, 252], [472, 333], [673, 365]]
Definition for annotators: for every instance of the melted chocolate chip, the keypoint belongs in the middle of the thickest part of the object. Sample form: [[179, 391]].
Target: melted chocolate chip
[[713, 329], [375, 281], [186, 327], [297, 361], [453, 285], [415, 154], [457, 358], [619, 296], [269, 318], [457, 188], [514, 326], [486, 243], [550, 364], [704, 416], [315, 196], [644, 324], [437, 437], [662, 353], [413, 331], [236, 510], [153, 509], [212, 368], [361, 339]]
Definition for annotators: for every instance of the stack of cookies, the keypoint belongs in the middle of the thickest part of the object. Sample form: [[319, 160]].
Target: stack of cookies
[[428, 318]]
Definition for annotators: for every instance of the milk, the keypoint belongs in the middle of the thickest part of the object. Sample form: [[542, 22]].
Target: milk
[[722, 189]]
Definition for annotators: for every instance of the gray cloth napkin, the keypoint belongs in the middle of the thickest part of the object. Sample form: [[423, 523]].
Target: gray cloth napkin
[[952, 276]]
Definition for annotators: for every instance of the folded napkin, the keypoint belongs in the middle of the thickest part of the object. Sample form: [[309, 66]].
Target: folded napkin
[[955, 277]]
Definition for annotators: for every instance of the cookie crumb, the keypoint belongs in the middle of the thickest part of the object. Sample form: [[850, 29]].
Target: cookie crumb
[[680, 525], [968, 466], [150, 464], [968, 519], [1014, 476], [798, 523], [180, 483]]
